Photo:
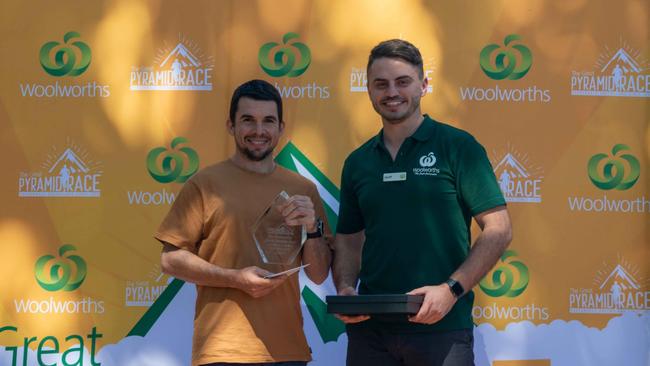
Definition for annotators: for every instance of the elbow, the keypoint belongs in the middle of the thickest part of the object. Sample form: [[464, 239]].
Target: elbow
[[167, 264], [507, 236], [318, 277]]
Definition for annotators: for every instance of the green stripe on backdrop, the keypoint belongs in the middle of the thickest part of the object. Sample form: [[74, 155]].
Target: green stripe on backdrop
[[329, 327], [150, 317], [287, 158]]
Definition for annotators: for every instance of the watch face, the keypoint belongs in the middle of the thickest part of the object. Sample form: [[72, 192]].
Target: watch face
[[456, 287]]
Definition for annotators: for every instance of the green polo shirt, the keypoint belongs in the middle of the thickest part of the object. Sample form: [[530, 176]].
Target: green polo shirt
[[418, 228]]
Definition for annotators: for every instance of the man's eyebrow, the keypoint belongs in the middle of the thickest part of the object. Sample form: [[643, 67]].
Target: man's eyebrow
[[404, 77]]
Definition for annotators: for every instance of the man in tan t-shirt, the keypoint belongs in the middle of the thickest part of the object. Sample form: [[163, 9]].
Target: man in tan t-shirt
[[241, 316]]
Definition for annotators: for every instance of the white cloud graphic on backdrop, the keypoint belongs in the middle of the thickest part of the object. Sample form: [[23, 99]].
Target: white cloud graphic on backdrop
[[624, 341]]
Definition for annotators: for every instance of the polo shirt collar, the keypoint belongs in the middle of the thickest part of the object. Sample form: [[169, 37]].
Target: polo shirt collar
[[423, 133]]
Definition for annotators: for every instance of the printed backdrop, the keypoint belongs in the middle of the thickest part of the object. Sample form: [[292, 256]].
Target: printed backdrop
[[106, 108]]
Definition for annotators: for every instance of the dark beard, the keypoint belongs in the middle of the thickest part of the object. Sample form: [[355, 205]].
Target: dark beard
[[252, 157]]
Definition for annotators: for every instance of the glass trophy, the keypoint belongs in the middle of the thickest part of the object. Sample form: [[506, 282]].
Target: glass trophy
[[277, 242]]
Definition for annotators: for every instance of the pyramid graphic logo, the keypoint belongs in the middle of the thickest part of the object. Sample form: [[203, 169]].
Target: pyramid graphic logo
[[518, 179], [181, 55], [182, 67], [621, 60], [70, 173], [69, 160], [616, 288], [622, 277], [619, 72]]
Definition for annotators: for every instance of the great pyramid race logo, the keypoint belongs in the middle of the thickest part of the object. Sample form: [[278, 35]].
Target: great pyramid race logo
[[144, 293], [290, 59], [617, 171], [181, 67], [68, 59], [359, 78], [618, 72], [176, 163], [510, 61], [64, 173], [519, 179], [617, 287]]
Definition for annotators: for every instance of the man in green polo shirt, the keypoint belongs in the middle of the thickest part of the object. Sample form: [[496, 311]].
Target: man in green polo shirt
[[408, 196]]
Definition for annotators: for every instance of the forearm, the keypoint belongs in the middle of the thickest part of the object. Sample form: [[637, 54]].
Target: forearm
[[189, 267], [317, 253], [486, 251], [347, 260]]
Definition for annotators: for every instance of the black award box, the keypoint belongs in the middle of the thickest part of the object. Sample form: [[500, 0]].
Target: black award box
[[374, 304]]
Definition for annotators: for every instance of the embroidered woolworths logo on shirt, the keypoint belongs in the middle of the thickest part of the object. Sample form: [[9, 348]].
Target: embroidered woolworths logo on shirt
[[426, 165], [428, 160]]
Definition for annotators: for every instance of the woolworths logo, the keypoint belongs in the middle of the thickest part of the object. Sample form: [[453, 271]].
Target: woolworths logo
[[511, 62], [509, 278], [290, 58], [175, 164], [69, 58], [618, 172], [63, 273]]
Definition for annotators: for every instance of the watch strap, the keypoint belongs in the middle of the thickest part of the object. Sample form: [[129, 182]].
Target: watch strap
[[319, 230], [455, 287]]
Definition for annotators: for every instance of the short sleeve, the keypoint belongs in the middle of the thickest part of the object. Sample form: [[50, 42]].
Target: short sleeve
[[476, 182], [183, 225], [350, 219]]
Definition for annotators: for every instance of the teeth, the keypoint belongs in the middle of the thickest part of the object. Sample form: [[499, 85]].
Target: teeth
[[391, 104], [257, 141]]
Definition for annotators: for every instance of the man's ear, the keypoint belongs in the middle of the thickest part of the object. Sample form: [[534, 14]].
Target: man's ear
[[281, 126], [425, 84], [230, 126]]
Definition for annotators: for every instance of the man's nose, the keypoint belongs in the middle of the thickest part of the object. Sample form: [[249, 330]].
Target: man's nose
[[258, 128], [392, 90]]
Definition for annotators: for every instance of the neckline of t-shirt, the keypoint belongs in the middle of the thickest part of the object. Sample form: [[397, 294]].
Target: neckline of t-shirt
[[251, 172]]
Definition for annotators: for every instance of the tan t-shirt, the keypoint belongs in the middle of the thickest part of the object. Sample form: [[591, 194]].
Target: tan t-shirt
[[212, 216]]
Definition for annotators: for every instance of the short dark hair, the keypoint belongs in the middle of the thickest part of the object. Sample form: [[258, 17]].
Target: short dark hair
[[257, 90], [397, 48]]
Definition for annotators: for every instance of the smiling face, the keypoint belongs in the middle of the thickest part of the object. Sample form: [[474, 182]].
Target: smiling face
[[395, 89], [256, 128]]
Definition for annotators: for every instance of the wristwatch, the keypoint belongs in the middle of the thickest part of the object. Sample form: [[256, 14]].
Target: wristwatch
[[455, 287], [319, 230]]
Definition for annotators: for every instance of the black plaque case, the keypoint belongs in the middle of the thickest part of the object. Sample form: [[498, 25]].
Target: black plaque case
[[374, 304]]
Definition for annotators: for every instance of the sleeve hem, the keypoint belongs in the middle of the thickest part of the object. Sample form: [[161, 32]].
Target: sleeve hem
[[173, 240], [346, 231], [487, 205]]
